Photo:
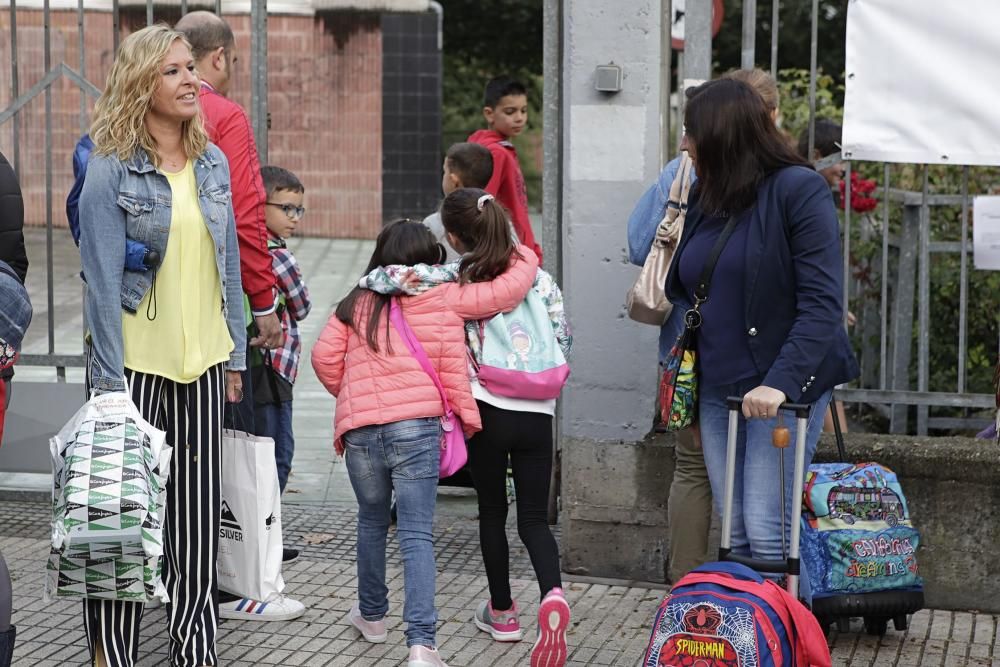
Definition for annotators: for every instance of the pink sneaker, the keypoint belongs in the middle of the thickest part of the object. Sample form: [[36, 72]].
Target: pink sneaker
[[372, 631], [503, 626], [424, 656], [553, 619]]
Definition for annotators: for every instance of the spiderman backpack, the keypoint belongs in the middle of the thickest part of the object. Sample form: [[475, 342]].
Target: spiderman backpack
[[726, 615]]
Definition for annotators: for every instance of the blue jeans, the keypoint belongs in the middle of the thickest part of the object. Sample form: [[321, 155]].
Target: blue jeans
[[757, 495], [404, 456], [275, 422]]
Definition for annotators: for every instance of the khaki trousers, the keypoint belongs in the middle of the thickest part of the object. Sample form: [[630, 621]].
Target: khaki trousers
[[689, 507]]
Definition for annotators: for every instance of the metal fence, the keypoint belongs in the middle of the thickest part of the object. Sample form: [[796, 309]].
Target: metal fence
[[900, 312], [13, 114]]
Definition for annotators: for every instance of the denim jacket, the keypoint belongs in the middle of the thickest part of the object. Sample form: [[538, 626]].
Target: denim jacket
[[131, 198]]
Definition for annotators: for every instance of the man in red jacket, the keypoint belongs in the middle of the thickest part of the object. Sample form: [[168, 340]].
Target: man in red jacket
[[505, 107], [213, 47]]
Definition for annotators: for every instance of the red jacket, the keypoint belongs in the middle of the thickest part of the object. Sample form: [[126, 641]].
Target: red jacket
[[229, 128], [507, 184]]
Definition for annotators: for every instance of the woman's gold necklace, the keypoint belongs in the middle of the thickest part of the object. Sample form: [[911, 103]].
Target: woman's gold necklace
[[174, 165]]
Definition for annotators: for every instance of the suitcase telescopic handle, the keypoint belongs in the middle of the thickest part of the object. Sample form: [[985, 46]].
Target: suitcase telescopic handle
[[801, 410], [791, 564]]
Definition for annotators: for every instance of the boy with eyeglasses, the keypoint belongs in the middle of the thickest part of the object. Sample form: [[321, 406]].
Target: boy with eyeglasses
[[274, 376]]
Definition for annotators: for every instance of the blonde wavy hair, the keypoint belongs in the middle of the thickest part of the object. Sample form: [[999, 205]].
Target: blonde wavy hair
[[761, 81], [120, 112]]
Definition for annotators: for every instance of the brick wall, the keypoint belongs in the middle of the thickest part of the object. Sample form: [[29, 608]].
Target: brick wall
[[324, 100]]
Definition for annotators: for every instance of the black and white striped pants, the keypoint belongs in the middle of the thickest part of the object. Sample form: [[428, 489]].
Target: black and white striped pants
[[191, 415]]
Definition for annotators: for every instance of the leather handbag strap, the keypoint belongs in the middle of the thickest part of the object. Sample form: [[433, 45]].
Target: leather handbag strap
[[416, 349], [676, 200], [685, 174]]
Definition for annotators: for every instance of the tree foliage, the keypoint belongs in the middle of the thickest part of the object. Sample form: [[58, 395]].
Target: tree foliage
[[794, 36]]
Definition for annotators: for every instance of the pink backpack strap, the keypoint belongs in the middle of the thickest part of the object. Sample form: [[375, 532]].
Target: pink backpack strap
[[416, 349]]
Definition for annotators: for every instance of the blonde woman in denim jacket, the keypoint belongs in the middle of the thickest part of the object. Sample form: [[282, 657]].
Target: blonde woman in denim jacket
[[172, 335]]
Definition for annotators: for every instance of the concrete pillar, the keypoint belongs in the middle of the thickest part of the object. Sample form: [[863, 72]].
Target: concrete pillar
[[614, 483]]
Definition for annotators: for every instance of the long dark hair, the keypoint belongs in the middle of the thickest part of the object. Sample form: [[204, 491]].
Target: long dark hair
[[483, 230], [400, 242], [736, 145]]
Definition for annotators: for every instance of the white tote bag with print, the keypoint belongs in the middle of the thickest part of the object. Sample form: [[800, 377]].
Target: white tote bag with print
[[110, 468], [250, 543]]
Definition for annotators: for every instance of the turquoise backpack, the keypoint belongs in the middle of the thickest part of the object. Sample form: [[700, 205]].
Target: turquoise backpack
[[520, 356]]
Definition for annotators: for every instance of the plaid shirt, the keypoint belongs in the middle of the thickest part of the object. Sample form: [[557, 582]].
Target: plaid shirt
[[292, 289]]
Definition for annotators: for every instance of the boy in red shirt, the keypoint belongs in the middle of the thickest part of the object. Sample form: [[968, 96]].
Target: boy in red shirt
[[505, 107]]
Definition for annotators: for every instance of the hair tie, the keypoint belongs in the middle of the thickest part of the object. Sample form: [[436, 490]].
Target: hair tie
[[482, 201]]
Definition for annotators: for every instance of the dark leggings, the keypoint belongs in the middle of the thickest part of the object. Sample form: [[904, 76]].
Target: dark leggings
[[526, 438]]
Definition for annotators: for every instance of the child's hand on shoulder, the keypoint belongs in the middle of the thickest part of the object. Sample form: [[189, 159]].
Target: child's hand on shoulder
[[410, 281]]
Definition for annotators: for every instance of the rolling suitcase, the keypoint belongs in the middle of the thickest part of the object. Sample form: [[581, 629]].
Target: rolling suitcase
[[725, 614], [859, 545]]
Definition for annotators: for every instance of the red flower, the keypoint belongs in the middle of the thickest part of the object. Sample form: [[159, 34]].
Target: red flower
[[860, 188]]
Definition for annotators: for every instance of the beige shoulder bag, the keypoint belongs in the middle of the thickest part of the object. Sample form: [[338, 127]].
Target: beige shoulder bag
[[647, 302]]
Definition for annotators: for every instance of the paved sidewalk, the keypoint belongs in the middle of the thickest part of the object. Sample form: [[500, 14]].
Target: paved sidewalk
[[610, 622]]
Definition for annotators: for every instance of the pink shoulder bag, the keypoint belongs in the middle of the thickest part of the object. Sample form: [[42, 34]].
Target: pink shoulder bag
[[454, 452]]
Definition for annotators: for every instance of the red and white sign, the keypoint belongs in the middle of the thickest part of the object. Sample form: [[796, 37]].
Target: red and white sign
[[677, 22]]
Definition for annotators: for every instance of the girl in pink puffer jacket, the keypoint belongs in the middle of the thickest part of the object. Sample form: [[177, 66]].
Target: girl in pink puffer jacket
[[516, 433], [387, 420]]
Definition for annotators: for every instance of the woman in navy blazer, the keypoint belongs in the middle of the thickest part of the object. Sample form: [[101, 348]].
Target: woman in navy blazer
[[772, 327]]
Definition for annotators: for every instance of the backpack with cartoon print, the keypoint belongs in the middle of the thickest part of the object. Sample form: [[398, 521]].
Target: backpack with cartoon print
[[726, 615], [520, 356]]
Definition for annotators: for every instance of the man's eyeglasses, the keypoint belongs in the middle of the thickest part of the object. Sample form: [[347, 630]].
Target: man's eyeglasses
[[290, 210]]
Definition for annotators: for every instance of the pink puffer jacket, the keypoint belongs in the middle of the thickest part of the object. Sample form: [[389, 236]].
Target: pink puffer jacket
[[384, 387]]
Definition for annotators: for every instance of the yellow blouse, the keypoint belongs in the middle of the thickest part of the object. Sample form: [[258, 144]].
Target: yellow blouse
[[188, 333]]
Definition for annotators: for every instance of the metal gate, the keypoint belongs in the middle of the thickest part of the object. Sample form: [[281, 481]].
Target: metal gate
[[907, 247], [17, 116]]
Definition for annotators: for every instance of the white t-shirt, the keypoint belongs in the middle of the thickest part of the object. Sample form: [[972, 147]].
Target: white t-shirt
[[545, 406]]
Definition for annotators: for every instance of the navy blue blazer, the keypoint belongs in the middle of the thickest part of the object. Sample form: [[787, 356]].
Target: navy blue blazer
[[793, 316]]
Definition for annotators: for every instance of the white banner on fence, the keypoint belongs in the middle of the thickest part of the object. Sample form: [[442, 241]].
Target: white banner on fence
[[922, 81]]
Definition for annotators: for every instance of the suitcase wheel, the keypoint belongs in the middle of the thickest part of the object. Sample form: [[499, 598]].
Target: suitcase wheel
[[844, 624], [876, 626], [900, 622]]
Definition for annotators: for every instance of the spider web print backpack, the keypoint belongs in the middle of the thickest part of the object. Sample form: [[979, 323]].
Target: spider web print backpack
[[726, 615]]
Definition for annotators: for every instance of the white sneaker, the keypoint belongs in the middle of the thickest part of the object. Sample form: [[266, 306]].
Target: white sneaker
[[372, 631], [424, 656], [281, 609]]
